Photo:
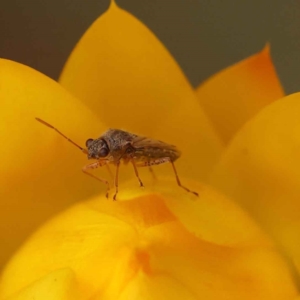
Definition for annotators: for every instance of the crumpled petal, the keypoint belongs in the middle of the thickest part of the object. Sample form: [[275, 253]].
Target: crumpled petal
[[58, 285], [137, 248], [261, 171], [40, 172], [129, 79], [234, 95]]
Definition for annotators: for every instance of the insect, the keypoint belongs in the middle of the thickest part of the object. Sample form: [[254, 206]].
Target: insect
[[116, 145]]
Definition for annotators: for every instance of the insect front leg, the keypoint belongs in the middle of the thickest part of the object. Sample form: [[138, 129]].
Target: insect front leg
[[116, 180], [96, 165], [109, 171]]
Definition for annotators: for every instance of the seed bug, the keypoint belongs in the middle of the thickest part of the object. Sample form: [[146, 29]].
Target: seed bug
[[116, 145]]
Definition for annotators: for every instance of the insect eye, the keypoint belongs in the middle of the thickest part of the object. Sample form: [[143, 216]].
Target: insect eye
[[88, 142], [103, 152]]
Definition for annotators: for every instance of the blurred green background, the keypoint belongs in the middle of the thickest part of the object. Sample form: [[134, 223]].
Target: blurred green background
[[203, 36]]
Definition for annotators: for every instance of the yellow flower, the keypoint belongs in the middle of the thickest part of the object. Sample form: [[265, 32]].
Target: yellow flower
[[156, 243]]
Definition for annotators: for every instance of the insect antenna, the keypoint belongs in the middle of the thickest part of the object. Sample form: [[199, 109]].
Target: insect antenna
[[52, 127]]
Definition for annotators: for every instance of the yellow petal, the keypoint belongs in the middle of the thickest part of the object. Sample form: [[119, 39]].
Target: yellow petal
[[221, 274], [261, 170], [58, 285], [236, 94], [214, 218], [137, 248], [40, 172], [129, 79]]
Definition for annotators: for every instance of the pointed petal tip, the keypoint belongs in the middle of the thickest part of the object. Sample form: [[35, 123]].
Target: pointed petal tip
[[112, 3], [267, 48]]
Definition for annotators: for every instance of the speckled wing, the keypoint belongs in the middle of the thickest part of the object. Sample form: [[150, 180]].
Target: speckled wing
[[148, 150]]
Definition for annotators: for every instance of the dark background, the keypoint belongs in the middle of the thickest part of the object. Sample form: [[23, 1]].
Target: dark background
[[203, 36]]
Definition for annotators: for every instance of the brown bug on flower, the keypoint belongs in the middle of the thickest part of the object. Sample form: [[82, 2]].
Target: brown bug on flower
[[116, 145]]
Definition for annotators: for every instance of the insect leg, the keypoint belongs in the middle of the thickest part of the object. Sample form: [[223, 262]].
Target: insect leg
[[152, 172], [178, 181], [117, 181], [136, 173], [109, 171], [163, 160], [95, 165]]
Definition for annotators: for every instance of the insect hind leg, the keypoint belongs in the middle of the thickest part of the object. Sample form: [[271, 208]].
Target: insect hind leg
[[179, 183], [163, 160]]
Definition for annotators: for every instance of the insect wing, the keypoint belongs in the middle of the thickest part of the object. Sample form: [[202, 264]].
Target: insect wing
[[149, 151], [141, 142]]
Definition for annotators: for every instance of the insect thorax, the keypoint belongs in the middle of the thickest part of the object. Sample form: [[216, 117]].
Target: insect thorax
[[117, 139]]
